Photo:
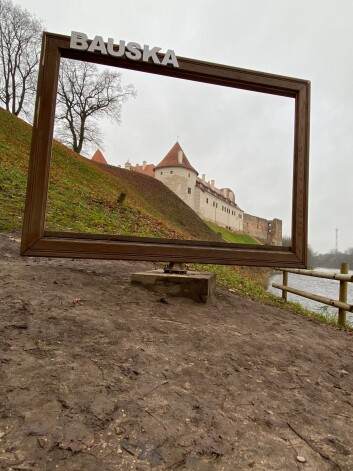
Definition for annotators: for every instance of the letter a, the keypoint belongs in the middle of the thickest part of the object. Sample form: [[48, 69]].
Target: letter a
[[170, 58], [78, 41], [98, 45]]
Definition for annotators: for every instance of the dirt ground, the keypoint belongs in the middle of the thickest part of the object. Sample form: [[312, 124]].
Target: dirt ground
[[97, 374]]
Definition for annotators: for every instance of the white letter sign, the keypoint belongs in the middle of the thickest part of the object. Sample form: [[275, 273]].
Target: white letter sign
[[78, 41], [132, 51]]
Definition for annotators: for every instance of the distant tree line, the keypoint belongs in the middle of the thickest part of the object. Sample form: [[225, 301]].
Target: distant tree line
[[331, 259], [85, 92]]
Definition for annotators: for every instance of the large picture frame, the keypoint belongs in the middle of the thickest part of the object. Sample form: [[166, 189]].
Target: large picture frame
[[36, 241]]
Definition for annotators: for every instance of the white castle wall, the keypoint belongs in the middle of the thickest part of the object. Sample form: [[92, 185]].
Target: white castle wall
[[180, 180], [216, 210], [202, 197]]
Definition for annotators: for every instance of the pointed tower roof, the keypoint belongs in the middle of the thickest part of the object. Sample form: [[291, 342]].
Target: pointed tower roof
[[176, 158], [99, 157]]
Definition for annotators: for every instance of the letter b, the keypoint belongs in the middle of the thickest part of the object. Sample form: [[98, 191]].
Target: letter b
[[78, 41]]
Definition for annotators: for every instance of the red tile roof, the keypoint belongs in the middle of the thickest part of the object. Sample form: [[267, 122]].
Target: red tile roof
[[171, 159], [99, 157], [145, 169]]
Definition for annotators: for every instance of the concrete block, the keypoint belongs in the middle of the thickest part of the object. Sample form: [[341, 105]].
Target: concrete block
[[199, 286]]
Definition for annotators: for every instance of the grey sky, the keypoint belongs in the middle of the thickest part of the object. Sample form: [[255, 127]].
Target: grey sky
[[241, 139]]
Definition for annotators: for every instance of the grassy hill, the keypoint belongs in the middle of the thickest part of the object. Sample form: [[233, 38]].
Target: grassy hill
[[88, 197], [229, 236]]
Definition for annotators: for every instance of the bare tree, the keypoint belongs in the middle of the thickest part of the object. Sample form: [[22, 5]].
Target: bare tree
[[20, 44], [84, 95]]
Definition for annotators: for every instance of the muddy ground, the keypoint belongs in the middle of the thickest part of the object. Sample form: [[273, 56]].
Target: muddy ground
[[97, 374]]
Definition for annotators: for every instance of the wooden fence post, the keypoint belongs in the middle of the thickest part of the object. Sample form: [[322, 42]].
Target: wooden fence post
[[285, 283], [343, 296]]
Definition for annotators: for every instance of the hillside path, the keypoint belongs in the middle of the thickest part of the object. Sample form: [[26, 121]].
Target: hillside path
[[97, 374]]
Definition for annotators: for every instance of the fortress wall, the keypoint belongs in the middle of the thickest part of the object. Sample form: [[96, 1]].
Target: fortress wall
[[267, 231], [198, 201], [275, 232], [180, 180], [215, 210]]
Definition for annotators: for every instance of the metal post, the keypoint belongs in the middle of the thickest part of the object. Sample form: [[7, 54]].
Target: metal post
[[285, 283], [175, 268], [343, 295]]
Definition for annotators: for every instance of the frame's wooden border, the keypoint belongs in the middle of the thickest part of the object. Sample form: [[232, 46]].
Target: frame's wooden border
[[38, 242]]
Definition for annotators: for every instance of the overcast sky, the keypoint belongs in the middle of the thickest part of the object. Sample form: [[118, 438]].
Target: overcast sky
[[243, 140]]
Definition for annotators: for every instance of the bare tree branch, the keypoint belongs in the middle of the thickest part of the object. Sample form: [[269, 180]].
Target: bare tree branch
[[20, 43], [84, 96]]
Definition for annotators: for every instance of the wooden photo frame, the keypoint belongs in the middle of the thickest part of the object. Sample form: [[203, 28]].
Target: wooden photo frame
[[36, 241]]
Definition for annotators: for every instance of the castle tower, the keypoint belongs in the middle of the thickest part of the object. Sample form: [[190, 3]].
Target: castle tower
[[274, 235], [99, 157], [176, 172]]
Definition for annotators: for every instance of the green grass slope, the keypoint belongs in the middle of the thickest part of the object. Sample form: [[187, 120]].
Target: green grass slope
[[84, 196], [14, 150], [230, 236], [161, 204]]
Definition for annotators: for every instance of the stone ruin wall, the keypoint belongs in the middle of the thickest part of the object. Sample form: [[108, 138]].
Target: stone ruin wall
[[266, 231]]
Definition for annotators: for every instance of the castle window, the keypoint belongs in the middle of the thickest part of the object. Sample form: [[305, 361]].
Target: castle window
[[216, 205], [171, 172], [207, 200], [213, 203], [161, 173], [189, 191], [189, 175]]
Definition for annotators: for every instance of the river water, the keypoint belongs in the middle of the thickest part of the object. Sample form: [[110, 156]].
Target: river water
[[322, 287]]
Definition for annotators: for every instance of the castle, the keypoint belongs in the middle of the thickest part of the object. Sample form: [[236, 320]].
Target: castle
[[210, 203]]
